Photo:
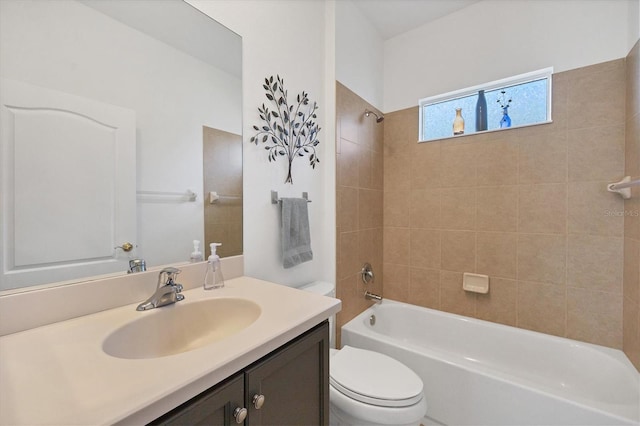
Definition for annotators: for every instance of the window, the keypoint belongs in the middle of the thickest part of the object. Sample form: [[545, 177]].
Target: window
[[527, 98]]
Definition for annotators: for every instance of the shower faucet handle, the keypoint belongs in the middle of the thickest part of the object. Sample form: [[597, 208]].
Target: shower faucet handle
[[367, 273]]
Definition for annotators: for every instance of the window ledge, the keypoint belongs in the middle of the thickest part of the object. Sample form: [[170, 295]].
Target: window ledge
[[483, 132]]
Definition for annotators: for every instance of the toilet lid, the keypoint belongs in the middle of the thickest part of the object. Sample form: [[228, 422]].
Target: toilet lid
[[374, 378]]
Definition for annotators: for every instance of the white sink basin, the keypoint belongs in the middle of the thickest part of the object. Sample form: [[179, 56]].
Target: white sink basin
[[181, 327]]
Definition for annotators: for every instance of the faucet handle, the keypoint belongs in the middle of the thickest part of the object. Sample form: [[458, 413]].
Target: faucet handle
[[170, 272]]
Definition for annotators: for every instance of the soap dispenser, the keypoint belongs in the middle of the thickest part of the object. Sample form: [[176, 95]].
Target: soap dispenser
[[196, 256], [213, 278]]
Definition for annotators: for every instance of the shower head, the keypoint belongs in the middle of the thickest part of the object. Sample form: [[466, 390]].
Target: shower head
[[379, 118]]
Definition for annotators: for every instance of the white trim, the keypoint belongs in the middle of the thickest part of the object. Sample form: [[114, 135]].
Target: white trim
[[542, 74]]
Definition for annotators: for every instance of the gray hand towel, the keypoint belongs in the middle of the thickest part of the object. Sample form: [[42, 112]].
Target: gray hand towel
[[296, 238]]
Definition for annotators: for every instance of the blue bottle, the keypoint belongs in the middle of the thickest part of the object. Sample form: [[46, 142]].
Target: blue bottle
[[481, 112], [506, 120]]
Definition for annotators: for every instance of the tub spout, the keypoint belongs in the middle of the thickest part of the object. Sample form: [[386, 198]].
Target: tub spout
[[372, 296]]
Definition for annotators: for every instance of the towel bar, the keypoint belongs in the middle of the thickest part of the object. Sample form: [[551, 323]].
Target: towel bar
[[276, 200]]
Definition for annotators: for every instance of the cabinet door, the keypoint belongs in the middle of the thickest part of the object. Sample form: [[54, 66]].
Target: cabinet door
[[294, 381], [215, 406]]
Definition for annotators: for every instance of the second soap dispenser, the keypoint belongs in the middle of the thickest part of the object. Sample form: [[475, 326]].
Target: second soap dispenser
[[213, 278]]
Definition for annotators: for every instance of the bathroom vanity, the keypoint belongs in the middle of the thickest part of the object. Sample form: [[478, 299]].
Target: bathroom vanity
[[162, 366], [288, 386]]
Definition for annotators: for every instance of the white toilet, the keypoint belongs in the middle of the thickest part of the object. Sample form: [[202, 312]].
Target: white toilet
[[370, 388]]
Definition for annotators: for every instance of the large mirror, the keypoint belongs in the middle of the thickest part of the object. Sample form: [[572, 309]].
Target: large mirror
[[116, 118]]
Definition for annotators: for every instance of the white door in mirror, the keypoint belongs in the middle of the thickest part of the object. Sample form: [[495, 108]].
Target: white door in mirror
[[69, 187]]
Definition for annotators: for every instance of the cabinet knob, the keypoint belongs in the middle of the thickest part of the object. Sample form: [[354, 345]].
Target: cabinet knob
[[258, 401], [240, 414]]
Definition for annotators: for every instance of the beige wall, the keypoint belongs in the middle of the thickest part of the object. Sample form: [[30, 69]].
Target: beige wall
[[359, 202], [222, 170], [631, 301], [528, 207]]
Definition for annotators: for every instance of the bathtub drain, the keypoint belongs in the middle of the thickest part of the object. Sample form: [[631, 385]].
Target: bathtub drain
[[372, 320]]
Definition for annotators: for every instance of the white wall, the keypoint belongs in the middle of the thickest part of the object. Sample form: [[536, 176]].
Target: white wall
[[493, 39], [634, 23], [286, 38], [169, 116], [359, 54]]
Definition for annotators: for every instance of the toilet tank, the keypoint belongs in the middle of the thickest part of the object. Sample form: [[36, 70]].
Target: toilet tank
[[328, 289]]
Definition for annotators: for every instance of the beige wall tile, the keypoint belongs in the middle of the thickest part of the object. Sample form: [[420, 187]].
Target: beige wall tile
[[348, 263], [424, 287], [458, 208], [425, 208], [632, 145], [596, 96], [632, 216], [453, 298], [347, 207], [352, 303], [370, 132], [397, 205], [497, 162], [397, 169], [377, 169], [540, 201], [594, 210], [426, 166], [396, 282], [541, 307], [369, 208], [543, 158], [499, 305], [458, 251], [370, 246], [632, 74], [396, 245], [497, 254], [631, 270], [559, 95], [348, 164], [497, 208], [596, 153], [594, 317], [541, 258], [542, 208], [401, 127], [458, 164], [425, 248], [364, 167], [595, 262]]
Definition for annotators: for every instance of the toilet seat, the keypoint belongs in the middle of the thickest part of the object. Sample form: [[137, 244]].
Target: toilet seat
[[374, 378]]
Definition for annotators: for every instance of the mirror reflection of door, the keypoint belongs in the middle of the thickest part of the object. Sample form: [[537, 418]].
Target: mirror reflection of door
[[222, 158]]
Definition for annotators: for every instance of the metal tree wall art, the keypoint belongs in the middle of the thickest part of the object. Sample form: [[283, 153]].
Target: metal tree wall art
[[288, 130]]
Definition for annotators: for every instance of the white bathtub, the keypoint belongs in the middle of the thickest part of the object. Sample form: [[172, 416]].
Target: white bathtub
[[480, 373]]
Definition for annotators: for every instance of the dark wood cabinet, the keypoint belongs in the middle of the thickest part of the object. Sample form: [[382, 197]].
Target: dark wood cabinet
[[214, 406], [289, 386]]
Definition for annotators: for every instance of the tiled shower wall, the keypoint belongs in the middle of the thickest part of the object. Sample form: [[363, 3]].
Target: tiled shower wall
[[359, 202], [528, 207], [631, 301]]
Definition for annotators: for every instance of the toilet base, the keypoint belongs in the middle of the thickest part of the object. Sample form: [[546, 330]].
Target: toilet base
[[338, 417], [345, 411]]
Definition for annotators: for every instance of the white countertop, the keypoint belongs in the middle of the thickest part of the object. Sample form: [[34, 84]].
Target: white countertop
[[58, 373]]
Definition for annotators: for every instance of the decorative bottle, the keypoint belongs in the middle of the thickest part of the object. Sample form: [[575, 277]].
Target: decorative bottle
[[506, 120], [213, 277], [481, 112], [196, 256], [458, 123]]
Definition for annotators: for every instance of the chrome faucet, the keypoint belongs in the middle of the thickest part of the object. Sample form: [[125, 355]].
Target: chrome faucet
[[166, 293]]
